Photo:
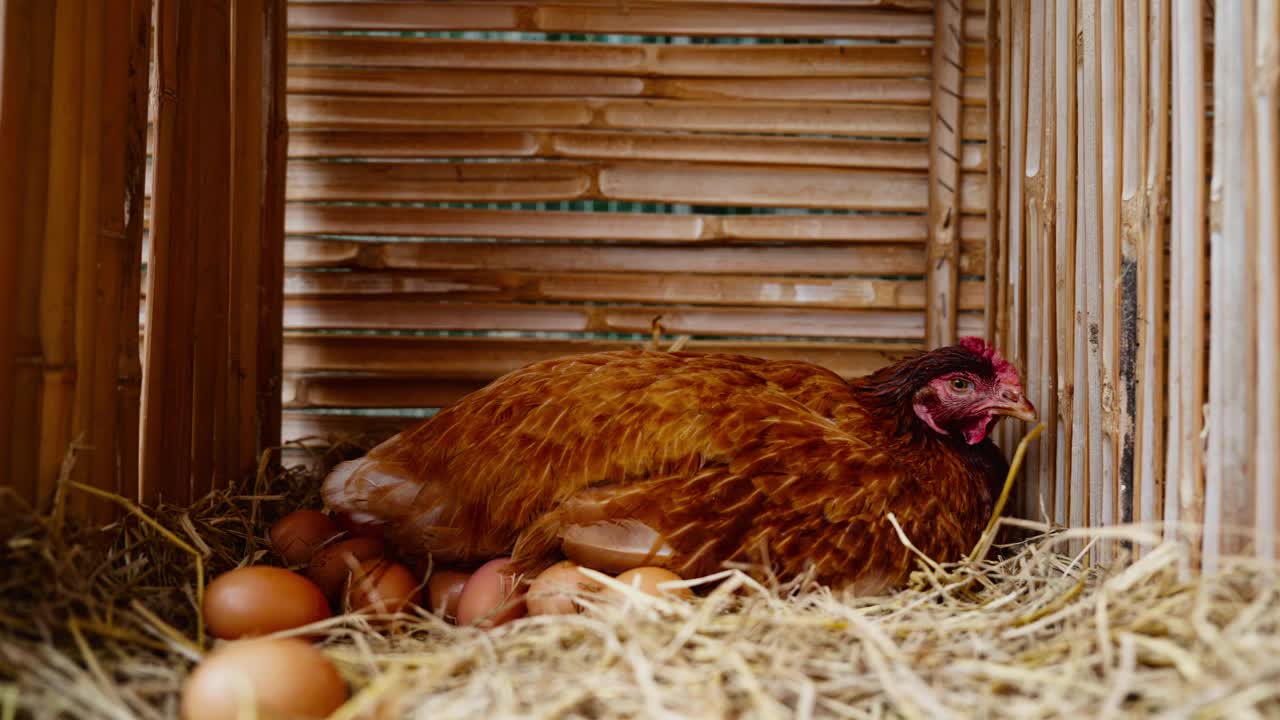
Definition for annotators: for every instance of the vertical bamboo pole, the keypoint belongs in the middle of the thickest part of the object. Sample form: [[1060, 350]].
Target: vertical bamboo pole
[[214, 302], [995, 182], [27, 108], [258, 218], [270, 343], [15, 32], [1184, 493], [1109, 67], [1047, 399], [58, 261], [1080, 435], [1091, 130], [1064, 65], [1015, 343], [1133, 93], [1004, 431], [944, 173], [1033, 206], [1266, 101], [1229, 477], [134, 144], [1149, 478]]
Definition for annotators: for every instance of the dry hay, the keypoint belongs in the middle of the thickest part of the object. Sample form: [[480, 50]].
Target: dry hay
[[101, 623]]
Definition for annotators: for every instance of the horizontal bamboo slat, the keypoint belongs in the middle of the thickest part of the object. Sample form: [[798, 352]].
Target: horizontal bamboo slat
[[655, 61], [485, 358], [607, 145], [382, 313], [342, 112], [695, 183], [631, 227], [539, 257], [479, 83], [636, 18], [497, 286]]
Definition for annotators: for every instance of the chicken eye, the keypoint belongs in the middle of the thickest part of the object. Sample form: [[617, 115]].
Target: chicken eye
[[961, 384]]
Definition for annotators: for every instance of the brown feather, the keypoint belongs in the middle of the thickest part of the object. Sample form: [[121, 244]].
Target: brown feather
[[720, 455]]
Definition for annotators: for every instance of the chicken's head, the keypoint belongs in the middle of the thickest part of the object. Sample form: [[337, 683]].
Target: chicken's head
[[966, 389]]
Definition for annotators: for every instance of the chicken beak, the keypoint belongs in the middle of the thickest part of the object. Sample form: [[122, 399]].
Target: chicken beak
[[1016, 405]]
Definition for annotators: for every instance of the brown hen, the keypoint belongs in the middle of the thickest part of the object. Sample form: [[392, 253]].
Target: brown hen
[[688, 460]]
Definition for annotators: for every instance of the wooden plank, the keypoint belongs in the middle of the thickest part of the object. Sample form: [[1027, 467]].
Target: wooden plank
[[606, 145], [485, 358], [631, 227], [1184, 497], [482, 83], [394, 313], [1266, 95], [694, 183], [731, 61], [400, 113], [565, 257], [1233, 389], [491, 286], [636, 18], [945, 138], [1064, 245]]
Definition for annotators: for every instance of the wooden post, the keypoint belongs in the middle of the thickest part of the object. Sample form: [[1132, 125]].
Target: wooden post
[[74, 82], [214, 300], [944, 173]]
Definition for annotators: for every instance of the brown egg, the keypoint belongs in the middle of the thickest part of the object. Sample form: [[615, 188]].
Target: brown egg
[[490, 598], [554, 590], [259, 600], [354, 529], [444, 587], [281, 678], [331, 564], [296, 536], [383, 587], [646, 580]]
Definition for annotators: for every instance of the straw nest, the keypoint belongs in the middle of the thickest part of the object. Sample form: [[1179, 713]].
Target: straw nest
[[102, 622]]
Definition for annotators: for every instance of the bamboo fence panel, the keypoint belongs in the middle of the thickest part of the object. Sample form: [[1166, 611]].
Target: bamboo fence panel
[[1158, 420], [567, 193], [214, 295], [74, 115]]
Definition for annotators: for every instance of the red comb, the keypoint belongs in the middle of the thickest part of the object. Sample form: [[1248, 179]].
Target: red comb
[[1005, 371]]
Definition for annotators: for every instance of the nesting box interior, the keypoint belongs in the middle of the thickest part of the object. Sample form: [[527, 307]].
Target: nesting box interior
[[232, 229]]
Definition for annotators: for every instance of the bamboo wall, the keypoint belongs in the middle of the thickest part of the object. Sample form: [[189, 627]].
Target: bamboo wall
[[72, 127], [1135, 257], [81, 395], [474, 186]]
